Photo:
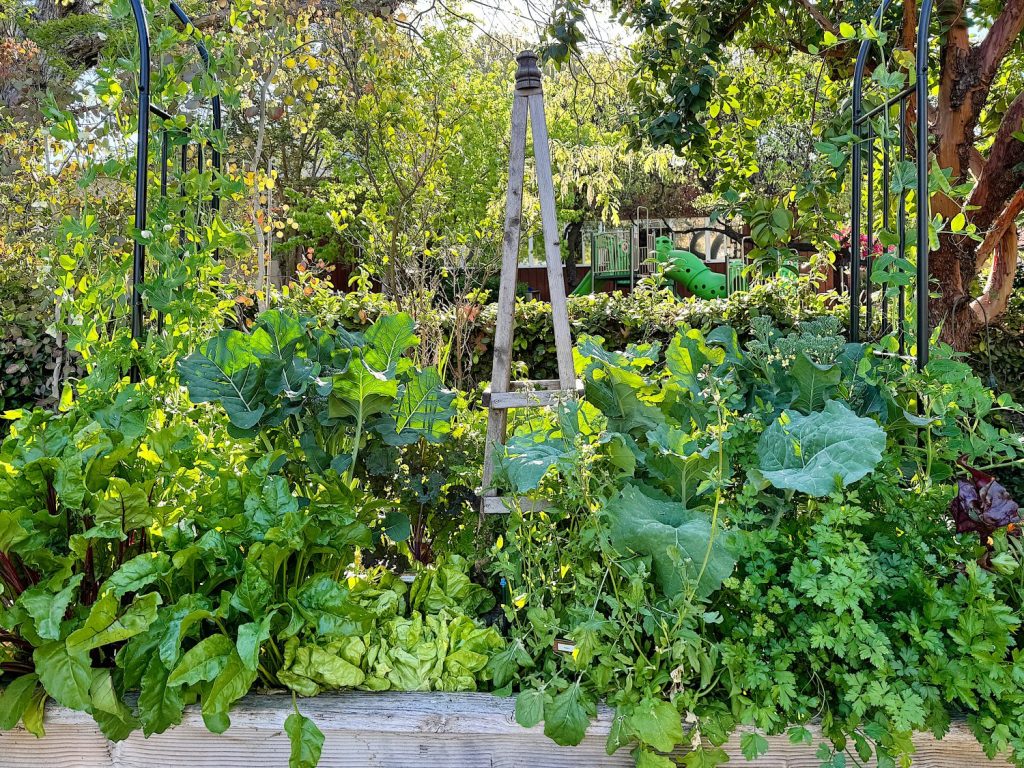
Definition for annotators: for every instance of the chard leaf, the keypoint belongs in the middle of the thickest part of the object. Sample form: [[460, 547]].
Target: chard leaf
[[65, 674], [306, 741], [14, 700], [160, 704], [139, 572], [230, 685], [47, 608], [204, 661], [110, 712], [811, 453], [104, 626]]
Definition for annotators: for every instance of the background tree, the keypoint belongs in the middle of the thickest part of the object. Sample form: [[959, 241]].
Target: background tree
[[685, 48]]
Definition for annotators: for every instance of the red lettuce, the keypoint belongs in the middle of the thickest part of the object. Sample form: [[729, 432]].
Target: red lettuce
[[982, 505]]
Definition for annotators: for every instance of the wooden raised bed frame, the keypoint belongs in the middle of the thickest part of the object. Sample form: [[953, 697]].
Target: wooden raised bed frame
[[387, 730]]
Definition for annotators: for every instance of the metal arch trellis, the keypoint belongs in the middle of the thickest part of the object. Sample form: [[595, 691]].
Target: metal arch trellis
[[146, 108], [891, 316]]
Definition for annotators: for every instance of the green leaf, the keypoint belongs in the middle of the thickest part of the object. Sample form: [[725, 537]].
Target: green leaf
[[388, 339], [104, 626], [800, 735], [251, 637], [524, 460], [529, 708], [204, 661], [688, 355], [65, 675], [705, 757], [253, 593], [139, 572], [306, 741], [847, 30], [160, 705], [657, 723], [816, 384], [565, 717], [112, 715], [647, 759], [677, 540], [425, 406], [225, 370], [397, 526], [231, 684], [753, 745], [47, 608], [124, 505], [15, 698], [810, 453], [360, 393]]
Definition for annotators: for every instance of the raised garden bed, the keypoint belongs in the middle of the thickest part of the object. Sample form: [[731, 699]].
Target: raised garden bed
[[388, 730]]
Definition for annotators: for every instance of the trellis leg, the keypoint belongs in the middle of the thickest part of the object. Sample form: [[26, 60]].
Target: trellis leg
[[552, 251], [501, 369]]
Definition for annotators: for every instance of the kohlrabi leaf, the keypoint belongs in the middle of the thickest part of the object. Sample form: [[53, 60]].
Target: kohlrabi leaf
[[813, 453], [685, 555]]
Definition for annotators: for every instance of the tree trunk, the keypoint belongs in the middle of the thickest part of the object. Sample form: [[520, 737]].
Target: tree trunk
[[574, 248]]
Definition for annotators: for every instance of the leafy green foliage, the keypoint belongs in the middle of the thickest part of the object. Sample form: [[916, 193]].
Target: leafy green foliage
[[790, 471]]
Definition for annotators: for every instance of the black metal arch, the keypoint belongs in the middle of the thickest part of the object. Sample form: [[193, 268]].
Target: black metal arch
[[146, 107], [863, 212]]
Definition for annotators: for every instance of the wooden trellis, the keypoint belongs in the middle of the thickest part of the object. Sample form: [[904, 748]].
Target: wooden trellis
[[504, 394]]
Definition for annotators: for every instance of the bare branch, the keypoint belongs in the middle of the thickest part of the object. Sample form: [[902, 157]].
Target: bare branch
[[819, 17], [1000, 38]]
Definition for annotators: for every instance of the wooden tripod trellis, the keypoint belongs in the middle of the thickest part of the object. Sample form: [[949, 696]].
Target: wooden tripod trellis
[[504, 394]]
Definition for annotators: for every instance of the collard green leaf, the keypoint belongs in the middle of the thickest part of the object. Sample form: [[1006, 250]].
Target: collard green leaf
[[678, 541], [425, 406], [360, 393], [812, 453], [306, 741], [816, 384], [388, 339], [687, 355], [524, 460], [225, 370]]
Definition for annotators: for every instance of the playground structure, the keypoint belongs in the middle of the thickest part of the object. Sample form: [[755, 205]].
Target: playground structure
[[687, 256]]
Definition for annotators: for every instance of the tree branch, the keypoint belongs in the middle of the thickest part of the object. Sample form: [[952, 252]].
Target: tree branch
[[819, 17], [1000, 39], [1002, 176]]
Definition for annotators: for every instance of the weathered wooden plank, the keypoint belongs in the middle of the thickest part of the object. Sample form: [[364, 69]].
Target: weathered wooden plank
[[500, 505], [526, 398], [389, 730]]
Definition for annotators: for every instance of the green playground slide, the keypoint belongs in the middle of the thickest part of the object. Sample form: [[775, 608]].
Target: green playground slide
[[586, 285], [690, 271]]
